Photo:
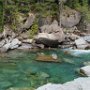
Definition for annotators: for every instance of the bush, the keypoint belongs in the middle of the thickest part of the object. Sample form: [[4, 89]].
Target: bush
[[33, 30]]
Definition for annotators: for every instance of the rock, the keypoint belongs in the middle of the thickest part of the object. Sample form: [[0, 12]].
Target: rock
[[46, 39], [44, 20], [24, 35], [51, 35], [6, 47], [81, 43], [11, 45], [68, 61], [70, 18], [85, 70], [72, 36], [15, 42], [76, 84], [41, 46], [2, 43], [21, 88], [25, 46], [1, 36], [86, 63], [27, 41], [8, 32], [87, 38], [50, 87], [29, 21], [43, 75], [54, 56]]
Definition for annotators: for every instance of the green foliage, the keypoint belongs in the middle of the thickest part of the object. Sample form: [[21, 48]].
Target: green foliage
[[82, 6], [1, 15], [33, 30]]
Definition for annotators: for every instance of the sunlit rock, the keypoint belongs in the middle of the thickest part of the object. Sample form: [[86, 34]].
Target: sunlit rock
[[77, 84], [81, 43], [85, 70], [50, 35]]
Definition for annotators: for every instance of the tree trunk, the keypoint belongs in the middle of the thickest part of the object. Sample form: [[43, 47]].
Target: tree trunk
[[60, 11]]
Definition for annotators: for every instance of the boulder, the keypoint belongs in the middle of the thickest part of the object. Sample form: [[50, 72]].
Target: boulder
[[11, 45], [70, 18], [51, 35], [2, 43], [76, 84], [25, 46], [85, 70], [15, 42], [29, 21], [81, 43]]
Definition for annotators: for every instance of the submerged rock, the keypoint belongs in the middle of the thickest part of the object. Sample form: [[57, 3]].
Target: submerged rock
[[47, 58], [43, 75], [86, 63]]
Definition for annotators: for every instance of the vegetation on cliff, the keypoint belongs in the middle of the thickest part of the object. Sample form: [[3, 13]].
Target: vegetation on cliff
[[42, 8]]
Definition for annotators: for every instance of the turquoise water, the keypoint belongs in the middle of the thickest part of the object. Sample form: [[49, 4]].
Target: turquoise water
[[19, 69]]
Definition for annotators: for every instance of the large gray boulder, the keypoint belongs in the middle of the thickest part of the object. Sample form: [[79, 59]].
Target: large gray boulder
[[76, 84], [70, 18], [51, 35]]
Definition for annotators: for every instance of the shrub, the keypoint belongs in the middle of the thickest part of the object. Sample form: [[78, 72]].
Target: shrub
[[33, 30]]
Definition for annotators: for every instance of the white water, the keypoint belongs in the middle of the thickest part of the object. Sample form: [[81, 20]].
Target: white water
[[77, 51]]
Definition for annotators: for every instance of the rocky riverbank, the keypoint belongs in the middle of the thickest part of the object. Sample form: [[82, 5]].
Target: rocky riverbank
[[49, 35]]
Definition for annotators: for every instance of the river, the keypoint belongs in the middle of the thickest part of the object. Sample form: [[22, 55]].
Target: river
[[20, 68]]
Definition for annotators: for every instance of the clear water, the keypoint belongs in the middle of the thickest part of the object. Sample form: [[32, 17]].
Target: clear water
[[19, 69]]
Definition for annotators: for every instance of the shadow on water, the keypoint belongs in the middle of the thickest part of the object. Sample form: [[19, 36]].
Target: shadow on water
[[19, 69]]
